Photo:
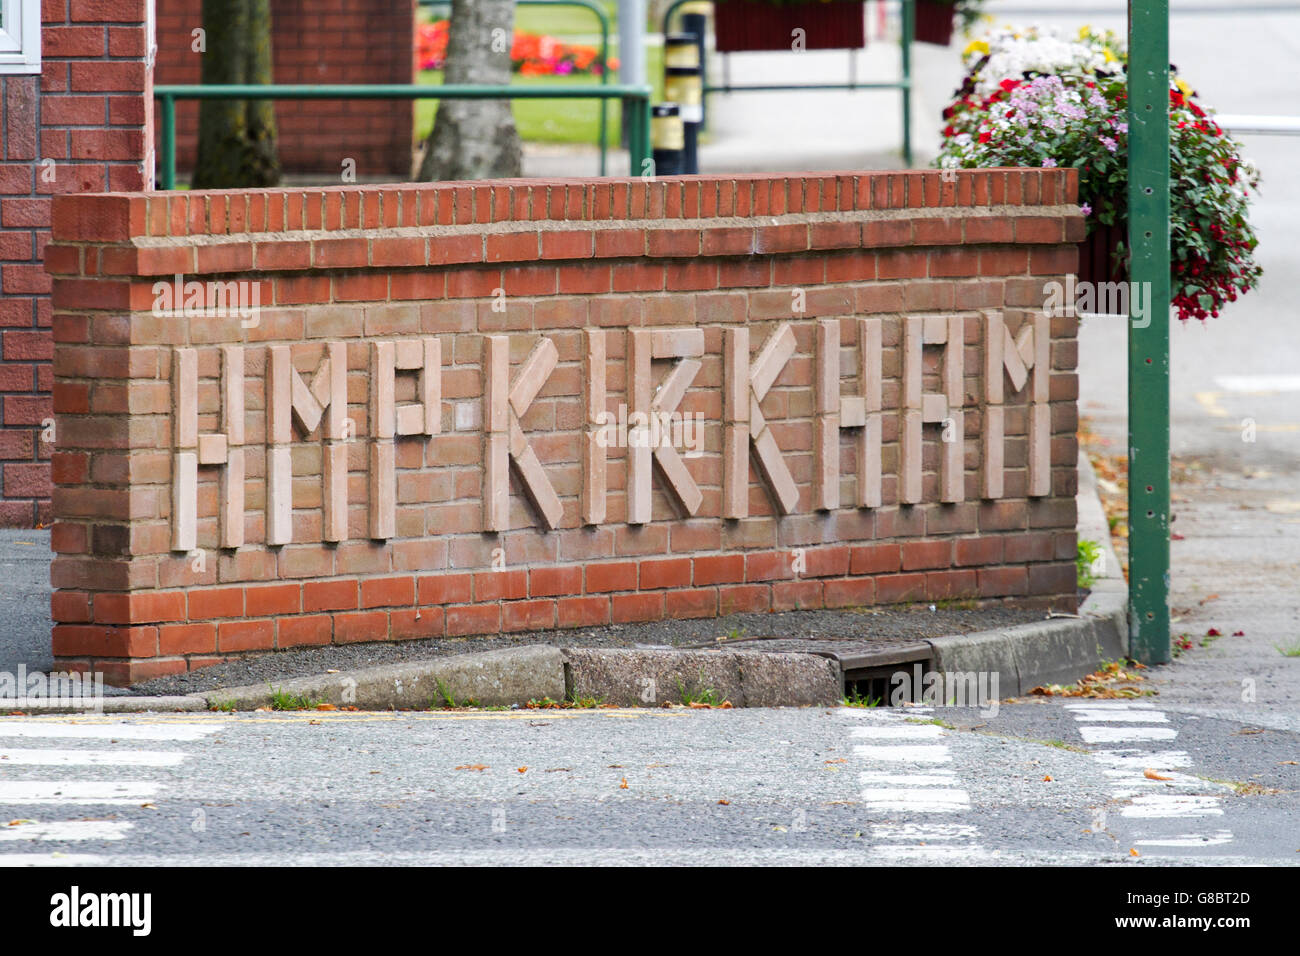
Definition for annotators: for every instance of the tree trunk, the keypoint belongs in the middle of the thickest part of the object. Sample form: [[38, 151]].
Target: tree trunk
[[476, 139], [236, 137]]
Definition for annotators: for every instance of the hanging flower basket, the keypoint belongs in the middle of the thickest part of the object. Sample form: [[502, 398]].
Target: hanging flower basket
[[1035, 98], [934, 21], [741, 25]]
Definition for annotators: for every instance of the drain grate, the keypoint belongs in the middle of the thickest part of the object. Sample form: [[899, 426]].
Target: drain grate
[[874, 676]]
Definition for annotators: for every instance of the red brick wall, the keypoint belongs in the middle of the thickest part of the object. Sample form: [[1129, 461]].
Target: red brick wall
[[577, 262], [315, 41], [77, 126]]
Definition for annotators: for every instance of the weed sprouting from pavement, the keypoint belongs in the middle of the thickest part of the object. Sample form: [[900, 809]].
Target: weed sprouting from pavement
[[1085, 561], [704, 695], [855, 699], [283, 700]]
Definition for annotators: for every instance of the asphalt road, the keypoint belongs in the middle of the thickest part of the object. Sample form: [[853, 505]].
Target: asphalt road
[[1037, 783]]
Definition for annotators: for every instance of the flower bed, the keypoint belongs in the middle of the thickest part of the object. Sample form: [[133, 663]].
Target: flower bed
[[1031, 98], [531, 54]]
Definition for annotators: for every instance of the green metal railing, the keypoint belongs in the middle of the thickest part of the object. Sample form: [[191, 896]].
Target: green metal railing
[[903, 84], [635, 99], [601, 15]]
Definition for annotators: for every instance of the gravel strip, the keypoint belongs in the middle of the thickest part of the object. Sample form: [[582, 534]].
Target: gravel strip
[[848, 631]]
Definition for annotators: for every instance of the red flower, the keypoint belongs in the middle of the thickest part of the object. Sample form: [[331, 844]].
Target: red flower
[[985, 137]]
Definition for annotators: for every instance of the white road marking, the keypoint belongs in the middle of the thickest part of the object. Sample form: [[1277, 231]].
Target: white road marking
[[902, 753], [1102, 704], [912, 784], [1172, 805], [1191, 839], [52, 729], [917, 800], [885, 713], [1121, 716], [1116, 735], [51, 859], [1128, 769], [940, 851], [66, 830], [1141, 760], [1258, 383], [76, 792], [90, 758], [924, 832], [899, 732], [908, 779]]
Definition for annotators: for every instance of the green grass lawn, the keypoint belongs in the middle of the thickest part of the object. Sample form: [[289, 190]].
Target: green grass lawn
[[551, 121], [558, 20], [559, 120], [564, 21]]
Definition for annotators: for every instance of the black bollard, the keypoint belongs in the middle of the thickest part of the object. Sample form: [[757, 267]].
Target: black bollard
[[666, 139], [684, 86]]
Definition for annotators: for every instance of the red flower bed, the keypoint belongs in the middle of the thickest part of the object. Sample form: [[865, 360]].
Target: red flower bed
[[531, 54]]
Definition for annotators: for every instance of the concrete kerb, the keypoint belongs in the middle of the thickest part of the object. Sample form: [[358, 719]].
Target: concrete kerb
[[1060, 649], [106, 705], [489, 679]]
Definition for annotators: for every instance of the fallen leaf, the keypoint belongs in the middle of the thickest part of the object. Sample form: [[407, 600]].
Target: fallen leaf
[[623, 785], [18, 823], [1133, 852], [147, 806], [1152, 775], [314, 723], [472, 766], [724, 803], [1289, 763], [326, 707], [696, 705], [1047, 778], [839, 760], [522, 769], [1208, 598]]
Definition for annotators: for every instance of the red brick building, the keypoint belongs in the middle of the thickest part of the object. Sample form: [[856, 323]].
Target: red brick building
[[77, 111], [76, 86], [312, 42]]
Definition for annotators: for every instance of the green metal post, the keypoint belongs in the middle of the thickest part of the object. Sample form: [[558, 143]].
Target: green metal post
[[909, 28], [168, 142], [1148, 341]]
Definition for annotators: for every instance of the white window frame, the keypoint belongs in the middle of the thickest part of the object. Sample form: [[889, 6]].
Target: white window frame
[[20, 37]]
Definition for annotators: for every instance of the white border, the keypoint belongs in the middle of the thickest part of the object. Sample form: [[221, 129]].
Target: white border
[[20, 38]]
